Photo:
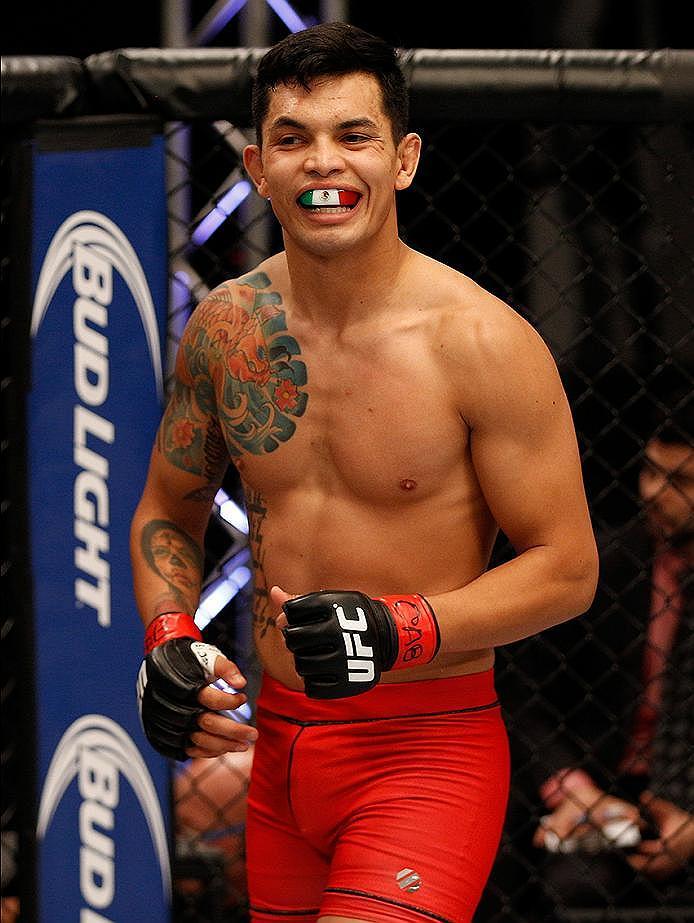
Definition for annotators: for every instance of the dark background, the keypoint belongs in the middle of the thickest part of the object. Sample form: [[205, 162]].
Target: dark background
[[83, 27]]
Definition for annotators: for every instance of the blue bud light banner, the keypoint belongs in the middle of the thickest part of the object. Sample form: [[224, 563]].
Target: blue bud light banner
[[99, 271]]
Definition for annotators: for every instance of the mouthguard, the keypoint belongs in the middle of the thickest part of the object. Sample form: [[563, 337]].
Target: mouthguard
[[322, 198]]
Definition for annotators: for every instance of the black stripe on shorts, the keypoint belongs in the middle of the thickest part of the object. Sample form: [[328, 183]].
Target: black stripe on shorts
[[387, 900], [428, 714]]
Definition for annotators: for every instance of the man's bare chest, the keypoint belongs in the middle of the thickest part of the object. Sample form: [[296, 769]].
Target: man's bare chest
[[377, 424]]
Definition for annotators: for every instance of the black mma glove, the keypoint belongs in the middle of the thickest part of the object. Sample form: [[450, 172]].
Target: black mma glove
[[177, 665], [343, 640]]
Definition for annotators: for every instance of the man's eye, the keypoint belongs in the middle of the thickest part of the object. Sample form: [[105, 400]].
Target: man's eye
[[355, 139], [289, 140]]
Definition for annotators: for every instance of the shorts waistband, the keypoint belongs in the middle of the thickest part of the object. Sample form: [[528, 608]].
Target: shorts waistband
[[470, 692]]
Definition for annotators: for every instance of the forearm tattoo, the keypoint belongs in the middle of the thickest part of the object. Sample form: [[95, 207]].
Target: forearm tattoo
[[177, 559], [239, 381], [257, 511]]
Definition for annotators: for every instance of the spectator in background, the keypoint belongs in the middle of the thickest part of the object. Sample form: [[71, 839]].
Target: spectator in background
[[210, 799], [624, 703]]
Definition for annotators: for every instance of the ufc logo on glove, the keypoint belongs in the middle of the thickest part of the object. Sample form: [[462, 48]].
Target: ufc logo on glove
[[343, 640], [360, 670]]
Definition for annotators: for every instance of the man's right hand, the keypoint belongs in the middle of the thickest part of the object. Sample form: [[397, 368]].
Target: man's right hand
[[582, 810], [178, 707]]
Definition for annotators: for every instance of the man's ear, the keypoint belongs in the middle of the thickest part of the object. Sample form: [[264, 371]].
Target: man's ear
[[253, 162], [409, 150]]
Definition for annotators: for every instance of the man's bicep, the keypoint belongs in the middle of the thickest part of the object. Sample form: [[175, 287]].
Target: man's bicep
[[526, 458], [188, 463], [175, 486], [190, 436]]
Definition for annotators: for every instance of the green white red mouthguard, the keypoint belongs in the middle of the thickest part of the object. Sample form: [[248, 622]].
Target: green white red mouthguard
[[322, 198]]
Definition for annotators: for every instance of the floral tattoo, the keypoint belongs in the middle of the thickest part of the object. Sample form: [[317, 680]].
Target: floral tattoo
[[240, 382]]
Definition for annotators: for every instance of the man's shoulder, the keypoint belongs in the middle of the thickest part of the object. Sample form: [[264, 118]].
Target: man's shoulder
[[472, 324], [241, 296], [497, 365]]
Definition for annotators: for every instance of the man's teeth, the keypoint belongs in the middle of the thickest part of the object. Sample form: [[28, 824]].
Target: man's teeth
[[330, 210]]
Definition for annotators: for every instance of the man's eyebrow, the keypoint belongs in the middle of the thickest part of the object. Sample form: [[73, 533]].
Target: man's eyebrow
[[362, 122], [284, 121]]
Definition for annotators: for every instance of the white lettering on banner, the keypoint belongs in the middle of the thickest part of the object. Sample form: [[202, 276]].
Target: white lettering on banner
[[88, 423], [90, 257], [92, 279], [98, 786], [360, 666], [87, 559], [92, 274], [97, 751], [92, 518], [91, 375], [87, 310], [91, 248], [91, 815], [91, 916], [90, 485], [97, 878], [98, 778]]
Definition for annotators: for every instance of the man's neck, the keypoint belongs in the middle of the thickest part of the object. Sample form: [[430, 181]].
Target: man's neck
[[345, 289]]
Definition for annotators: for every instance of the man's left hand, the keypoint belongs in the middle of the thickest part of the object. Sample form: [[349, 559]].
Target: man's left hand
[[342, 641]]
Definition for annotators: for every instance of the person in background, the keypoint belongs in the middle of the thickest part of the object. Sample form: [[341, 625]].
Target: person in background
[[618, 789], [210, 803]]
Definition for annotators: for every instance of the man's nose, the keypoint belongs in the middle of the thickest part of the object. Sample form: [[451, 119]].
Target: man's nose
[[324, 157]]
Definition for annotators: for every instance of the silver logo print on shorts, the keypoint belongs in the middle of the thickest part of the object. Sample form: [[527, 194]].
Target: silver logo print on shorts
[[408, 880]]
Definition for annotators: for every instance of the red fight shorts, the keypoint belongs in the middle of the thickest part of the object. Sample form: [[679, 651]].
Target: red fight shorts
[[386, 807]]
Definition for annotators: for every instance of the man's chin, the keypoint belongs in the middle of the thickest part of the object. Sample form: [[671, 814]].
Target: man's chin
[[327, 241]]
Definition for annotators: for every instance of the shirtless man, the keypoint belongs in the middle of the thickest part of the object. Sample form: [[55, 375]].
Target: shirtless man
[[387, 417]]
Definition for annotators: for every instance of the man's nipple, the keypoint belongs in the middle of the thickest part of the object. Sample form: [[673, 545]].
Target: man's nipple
[[407, 484]]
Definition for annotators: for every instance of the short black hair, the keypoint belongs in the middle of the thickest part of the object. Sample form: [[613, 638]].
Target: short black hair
[[332, 49]]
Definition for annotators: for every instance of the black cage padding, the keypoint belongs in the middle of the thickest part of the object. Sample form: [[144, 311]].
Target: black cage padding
[[211, 83]]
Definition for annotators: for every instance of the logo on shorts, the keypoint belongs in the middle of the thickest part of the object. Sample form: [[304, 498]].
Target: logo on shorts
[[408, 880]]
